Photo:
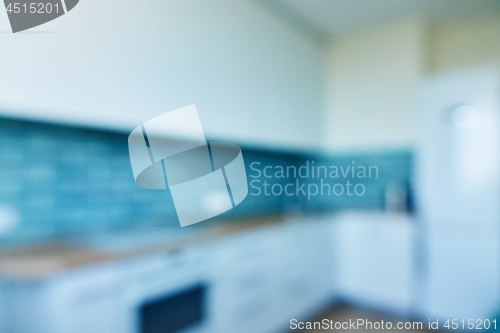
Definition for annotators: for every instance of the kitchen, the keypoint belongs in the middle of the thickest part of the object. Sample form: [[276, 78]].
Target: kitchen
[[313, 94]]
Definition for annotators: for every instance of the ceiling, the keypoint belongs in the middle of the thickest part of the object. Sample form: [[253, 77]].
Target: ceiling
[[338, 16]]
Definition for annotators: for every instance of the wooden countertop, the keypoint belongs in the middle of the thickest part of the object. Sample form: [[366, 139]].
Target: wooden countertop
[[43, 260]]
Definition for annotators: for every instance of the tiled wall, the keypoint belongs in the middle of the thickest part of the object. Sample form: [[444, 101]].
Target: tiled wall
[[394, 170], [389, 169], [61, 181]]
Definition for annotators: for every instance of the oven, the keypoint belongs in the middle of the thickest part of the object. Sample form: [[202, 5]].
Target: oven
[[169, 294]]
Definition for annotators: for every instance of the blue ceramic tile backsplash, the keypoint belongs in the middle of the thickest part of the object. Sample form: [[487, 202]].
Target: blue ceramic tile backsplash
[[63, 180]]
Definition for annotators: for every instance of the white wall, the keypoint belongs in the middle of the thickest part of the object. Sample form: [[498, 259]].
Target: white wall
[[372, 77], [116, 64], [467, 42]]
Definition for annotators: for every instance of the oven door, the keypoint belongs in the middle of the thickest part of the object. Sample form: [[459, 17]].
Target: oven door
[[172, 298], [183, 310]]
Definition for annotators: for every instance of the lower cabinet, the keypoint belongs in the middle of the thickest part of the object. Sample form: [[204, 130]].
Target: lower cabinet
[[256, 281], [92, 310], [259, 280], [5, 306], [268, 277], [80, 301], [375, 260]]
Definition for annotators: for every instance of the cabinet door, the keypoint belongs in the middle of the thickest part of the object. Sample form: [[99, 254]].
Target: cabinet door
[[5, 300], [94, 312], [269, 276], [86, 301], [243, 290], [305, 276], [374, 260]]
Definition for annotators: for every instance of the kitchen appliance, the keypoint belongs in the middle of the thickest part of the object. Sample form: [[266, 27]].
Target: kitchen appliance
[[172, 312], [458, 195], [169, 293]]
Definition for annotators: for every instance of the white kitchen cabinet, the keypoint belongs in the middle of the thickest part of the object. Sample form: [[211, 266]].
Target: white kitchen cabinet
[[106, 298], [79, 301], [267, 277], [374, 260], [94, 312], [223, 60], [86, 300], [30, 308], [243, 292], [253, 281], [307, 281], [5, 300]]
